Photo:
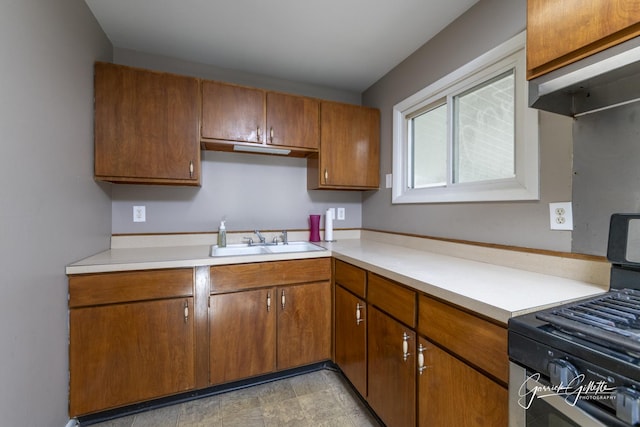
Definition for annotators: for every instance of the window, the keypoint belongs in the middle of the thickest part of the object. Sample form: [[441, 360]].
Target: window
[[470, 136]]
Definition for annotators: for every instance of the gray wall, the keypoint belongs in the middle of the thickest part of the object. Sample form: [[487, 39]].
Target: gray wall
[[51, 211], [252, 191], [526, 224], [606, 174]]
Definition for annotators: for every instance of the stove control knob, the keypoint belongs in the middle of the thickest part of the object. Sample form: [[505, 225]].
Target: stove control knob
[[628, 405], [562, 373]]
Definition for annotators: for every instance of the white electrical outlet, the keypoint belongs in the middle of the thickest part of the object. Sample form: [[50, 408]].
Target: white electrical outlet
[[340, 214], [139, 214], [560, 216]]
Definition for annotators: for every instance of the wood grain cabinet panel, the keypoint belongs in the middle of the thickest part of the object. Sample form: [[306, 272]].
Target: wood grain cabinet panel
[[233, 113], [560, 32], [242, 328], [478, 341], [146, 126], [351, 337], [450, 393], [393, 298], [351, 278], [349, 156], [304, 324], [391, 376], [126, 353], [293, 121]]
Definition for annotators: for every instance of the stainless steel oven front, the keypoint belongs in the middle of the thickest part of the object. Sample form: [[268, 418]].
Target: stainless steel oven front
[[533, 402]]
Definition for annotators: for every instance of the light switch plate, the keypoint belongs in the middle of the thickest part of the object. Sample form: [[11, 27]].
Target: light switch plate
[[388, 180], [139, 214]]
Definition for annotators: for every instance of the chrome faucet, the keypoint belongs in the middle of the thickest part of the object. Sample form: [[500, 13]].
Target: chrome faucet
[[260, 236], [283, 237]]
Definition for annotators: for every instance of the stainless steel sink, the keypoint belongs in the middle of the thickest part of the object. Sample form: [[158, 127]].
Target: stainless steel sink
[[263, 249]]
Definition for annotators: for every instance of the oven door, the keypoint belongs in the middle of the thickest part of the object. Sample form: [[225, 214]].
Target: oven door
[[527, 407]]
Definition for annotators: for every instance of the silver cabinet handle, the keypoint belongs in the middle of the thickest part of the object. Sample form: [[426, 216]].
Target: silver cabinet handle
[[421, 366], [258, 136], [271, 135], [186, 311], [326, 176], [268, 301], [191, 169], [359, 318], [283, 299], [405, 346]]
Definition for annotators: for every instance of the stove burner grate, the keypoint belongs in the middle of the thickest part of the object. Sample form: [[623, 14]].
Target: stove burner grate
[[613, 319]]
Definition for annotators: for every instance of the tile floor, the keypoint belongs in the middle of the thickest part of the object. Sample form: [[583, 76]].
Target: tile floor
[[319, 399]]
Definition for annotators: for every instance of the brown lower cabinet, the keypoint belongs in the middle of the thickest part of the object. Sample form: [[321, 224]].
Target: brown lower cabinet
[[242, 328], [124, 332], [267, 317], [259, 331], [451, 393], [141, 335], [428, 363], [351, 337], [391, 370]]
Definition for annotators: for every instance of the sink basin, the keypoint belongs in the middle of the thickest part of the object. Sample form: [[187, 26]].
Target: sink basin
[[294, 247], [235, 250], [244, 249]]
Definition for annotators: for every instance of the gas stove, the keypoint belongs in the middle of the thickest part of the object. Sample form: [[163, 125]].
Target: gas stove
[[586, 354]]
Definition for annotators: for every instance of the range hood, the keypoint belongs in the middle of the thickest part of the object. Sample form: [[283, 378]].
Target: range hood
[[601, 81]]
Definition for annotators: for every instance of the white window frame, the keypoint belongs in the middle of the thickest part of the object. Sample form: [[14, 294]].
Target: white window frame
[[525, 185]]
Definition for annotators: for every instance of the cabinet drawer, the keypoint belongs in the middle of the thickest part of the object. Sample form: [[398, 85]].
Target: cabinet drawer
[[110, 288], [351, 278], [396, 300], [245, 276], [478, 341]]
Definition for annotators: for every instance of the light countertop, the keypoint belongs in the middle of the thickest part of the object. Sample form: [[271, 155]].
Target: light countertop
[[495, 291]]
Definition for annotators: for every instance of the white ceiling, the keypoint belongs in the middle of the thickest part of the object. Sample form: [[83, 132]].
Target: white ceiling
[[342, 44]]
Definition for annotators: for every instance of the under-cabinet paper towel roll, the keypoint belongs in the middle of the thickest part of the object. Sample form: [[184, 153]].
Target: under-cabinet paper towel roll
[[328, 226]]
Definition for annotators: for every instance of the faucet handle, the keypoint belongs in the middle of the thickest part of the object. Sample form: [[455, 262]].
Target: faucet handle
[[285, 238], [249, 240]]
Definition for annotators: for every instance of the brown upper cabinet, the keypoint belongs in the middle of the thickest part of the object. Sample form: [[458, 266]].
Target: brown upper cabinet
[[236, 114], [349, 156], [146, 126], [560, 32]]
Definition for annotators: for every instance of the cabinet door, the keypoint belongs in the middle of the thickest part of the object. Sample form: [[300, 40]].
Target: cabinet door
[[293, 121], [146, 126], [391, 371], [243, 335], [126, 353], [349, 147], [584, 26], [451, 393], [304, 324], [351, 338], [232, 113]]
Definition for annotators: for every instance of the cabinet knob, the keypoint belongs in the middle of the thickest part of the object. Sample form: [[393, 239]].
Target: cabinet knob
[[268, 301], [186, 311], [405, 346], [283, 299], [359, 318]]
